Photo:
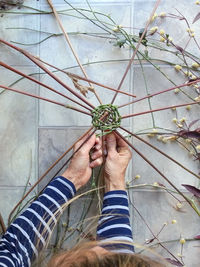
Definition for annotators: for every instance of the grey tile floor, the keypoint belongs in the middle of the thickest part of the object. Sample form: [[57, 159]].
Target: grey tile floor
[[33, 134]]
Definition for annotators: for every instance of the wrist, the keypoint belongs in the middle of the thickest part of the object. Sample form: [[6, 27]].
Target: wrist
[[114, 184], [72, 178]]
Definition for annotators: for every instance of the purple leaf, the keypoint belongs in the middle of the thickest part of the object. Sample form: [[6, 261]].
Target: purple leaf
[[190, 134], [197, 237], [195, 191], [196, 18], [179, 48], [174, 262]]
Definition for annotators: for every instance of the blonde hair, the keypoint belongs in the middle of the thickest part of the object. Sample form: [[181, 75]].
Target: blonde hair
[[82, 255]]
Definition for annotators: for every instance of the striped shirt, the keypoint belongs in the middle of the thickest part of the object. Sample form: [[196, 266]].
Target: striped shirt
[[30, 232]]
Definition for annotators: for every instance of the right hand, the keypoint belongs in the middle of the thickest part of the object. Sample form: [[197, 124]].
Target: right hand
[[117, 160]]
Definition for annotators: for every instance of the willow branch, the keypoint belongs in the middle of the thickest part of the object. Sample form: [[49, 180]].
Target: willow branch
[[136, 49], [159, 109], [71, 47], [160, 92], [40, 83], [44, 99], [37, 62], [161, 174]]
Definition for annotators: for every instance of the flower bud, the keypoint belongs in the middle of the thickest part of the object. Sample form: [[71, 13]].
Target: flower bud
[[182, 241]]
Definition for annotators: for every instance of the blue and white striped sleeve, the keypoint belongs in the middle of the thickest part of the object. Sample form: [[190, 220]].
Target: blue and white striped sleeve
[[28, 234], [114, 231]]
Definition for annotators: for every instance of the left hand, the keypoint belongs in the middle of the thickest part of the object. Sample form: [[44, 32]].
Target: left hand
[[80, 167]]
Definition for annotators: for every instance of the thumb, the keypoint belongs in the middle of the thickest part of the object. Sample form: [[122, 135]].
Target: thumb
[[89, 142], [111, 142]]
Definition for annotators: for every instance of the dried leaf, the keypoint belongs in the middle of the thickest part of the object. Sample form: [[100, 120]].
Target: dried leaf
[[174, 262], [196, 18], [197, 237], [82, 88], [192, 189]]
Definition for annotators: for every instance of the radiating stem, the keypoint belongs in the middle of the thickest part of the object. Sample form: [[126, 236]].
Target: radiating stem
[[40, 83], [99, 84], [161, 174], [158, 109], [136, 49], [45, 99], [160, 92], [37, 62], [71, 47], [161, 152], [46, 172], [84, 79]]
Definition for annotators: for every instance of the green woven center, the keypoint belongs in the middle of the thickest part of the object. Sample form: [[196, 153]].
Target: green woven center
[[106, 118]]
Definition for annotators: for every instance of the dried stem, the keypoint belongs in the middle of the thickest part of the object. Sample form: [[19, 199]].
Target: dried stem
[[45, 99], [159, 109], [136, 49], [37, 62], [160, 92], [161, 152], [42, 84], [71, 47], [3, 226], [46, 172], [161, 174]]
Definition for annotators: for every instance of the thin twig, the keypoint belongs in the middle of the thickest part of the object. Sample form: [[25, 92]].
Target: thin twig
[[136, 49], [71, 47], [155, 237]]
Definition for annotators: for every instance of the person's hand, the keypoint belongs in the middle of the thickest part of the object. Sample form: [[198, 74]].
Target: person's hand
[[118, 157], [80, 167]]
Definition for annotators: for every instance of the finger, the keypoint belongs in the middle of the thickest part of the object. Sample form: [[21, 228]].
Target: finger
[[96, 163], [111, 143], [88, 141], [98, 143], [121, 143], [96, 154]]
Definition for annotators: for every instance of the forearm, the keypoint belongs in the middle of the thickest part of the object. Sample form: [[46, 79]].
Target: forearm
[[30, 232], [114, 224]]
